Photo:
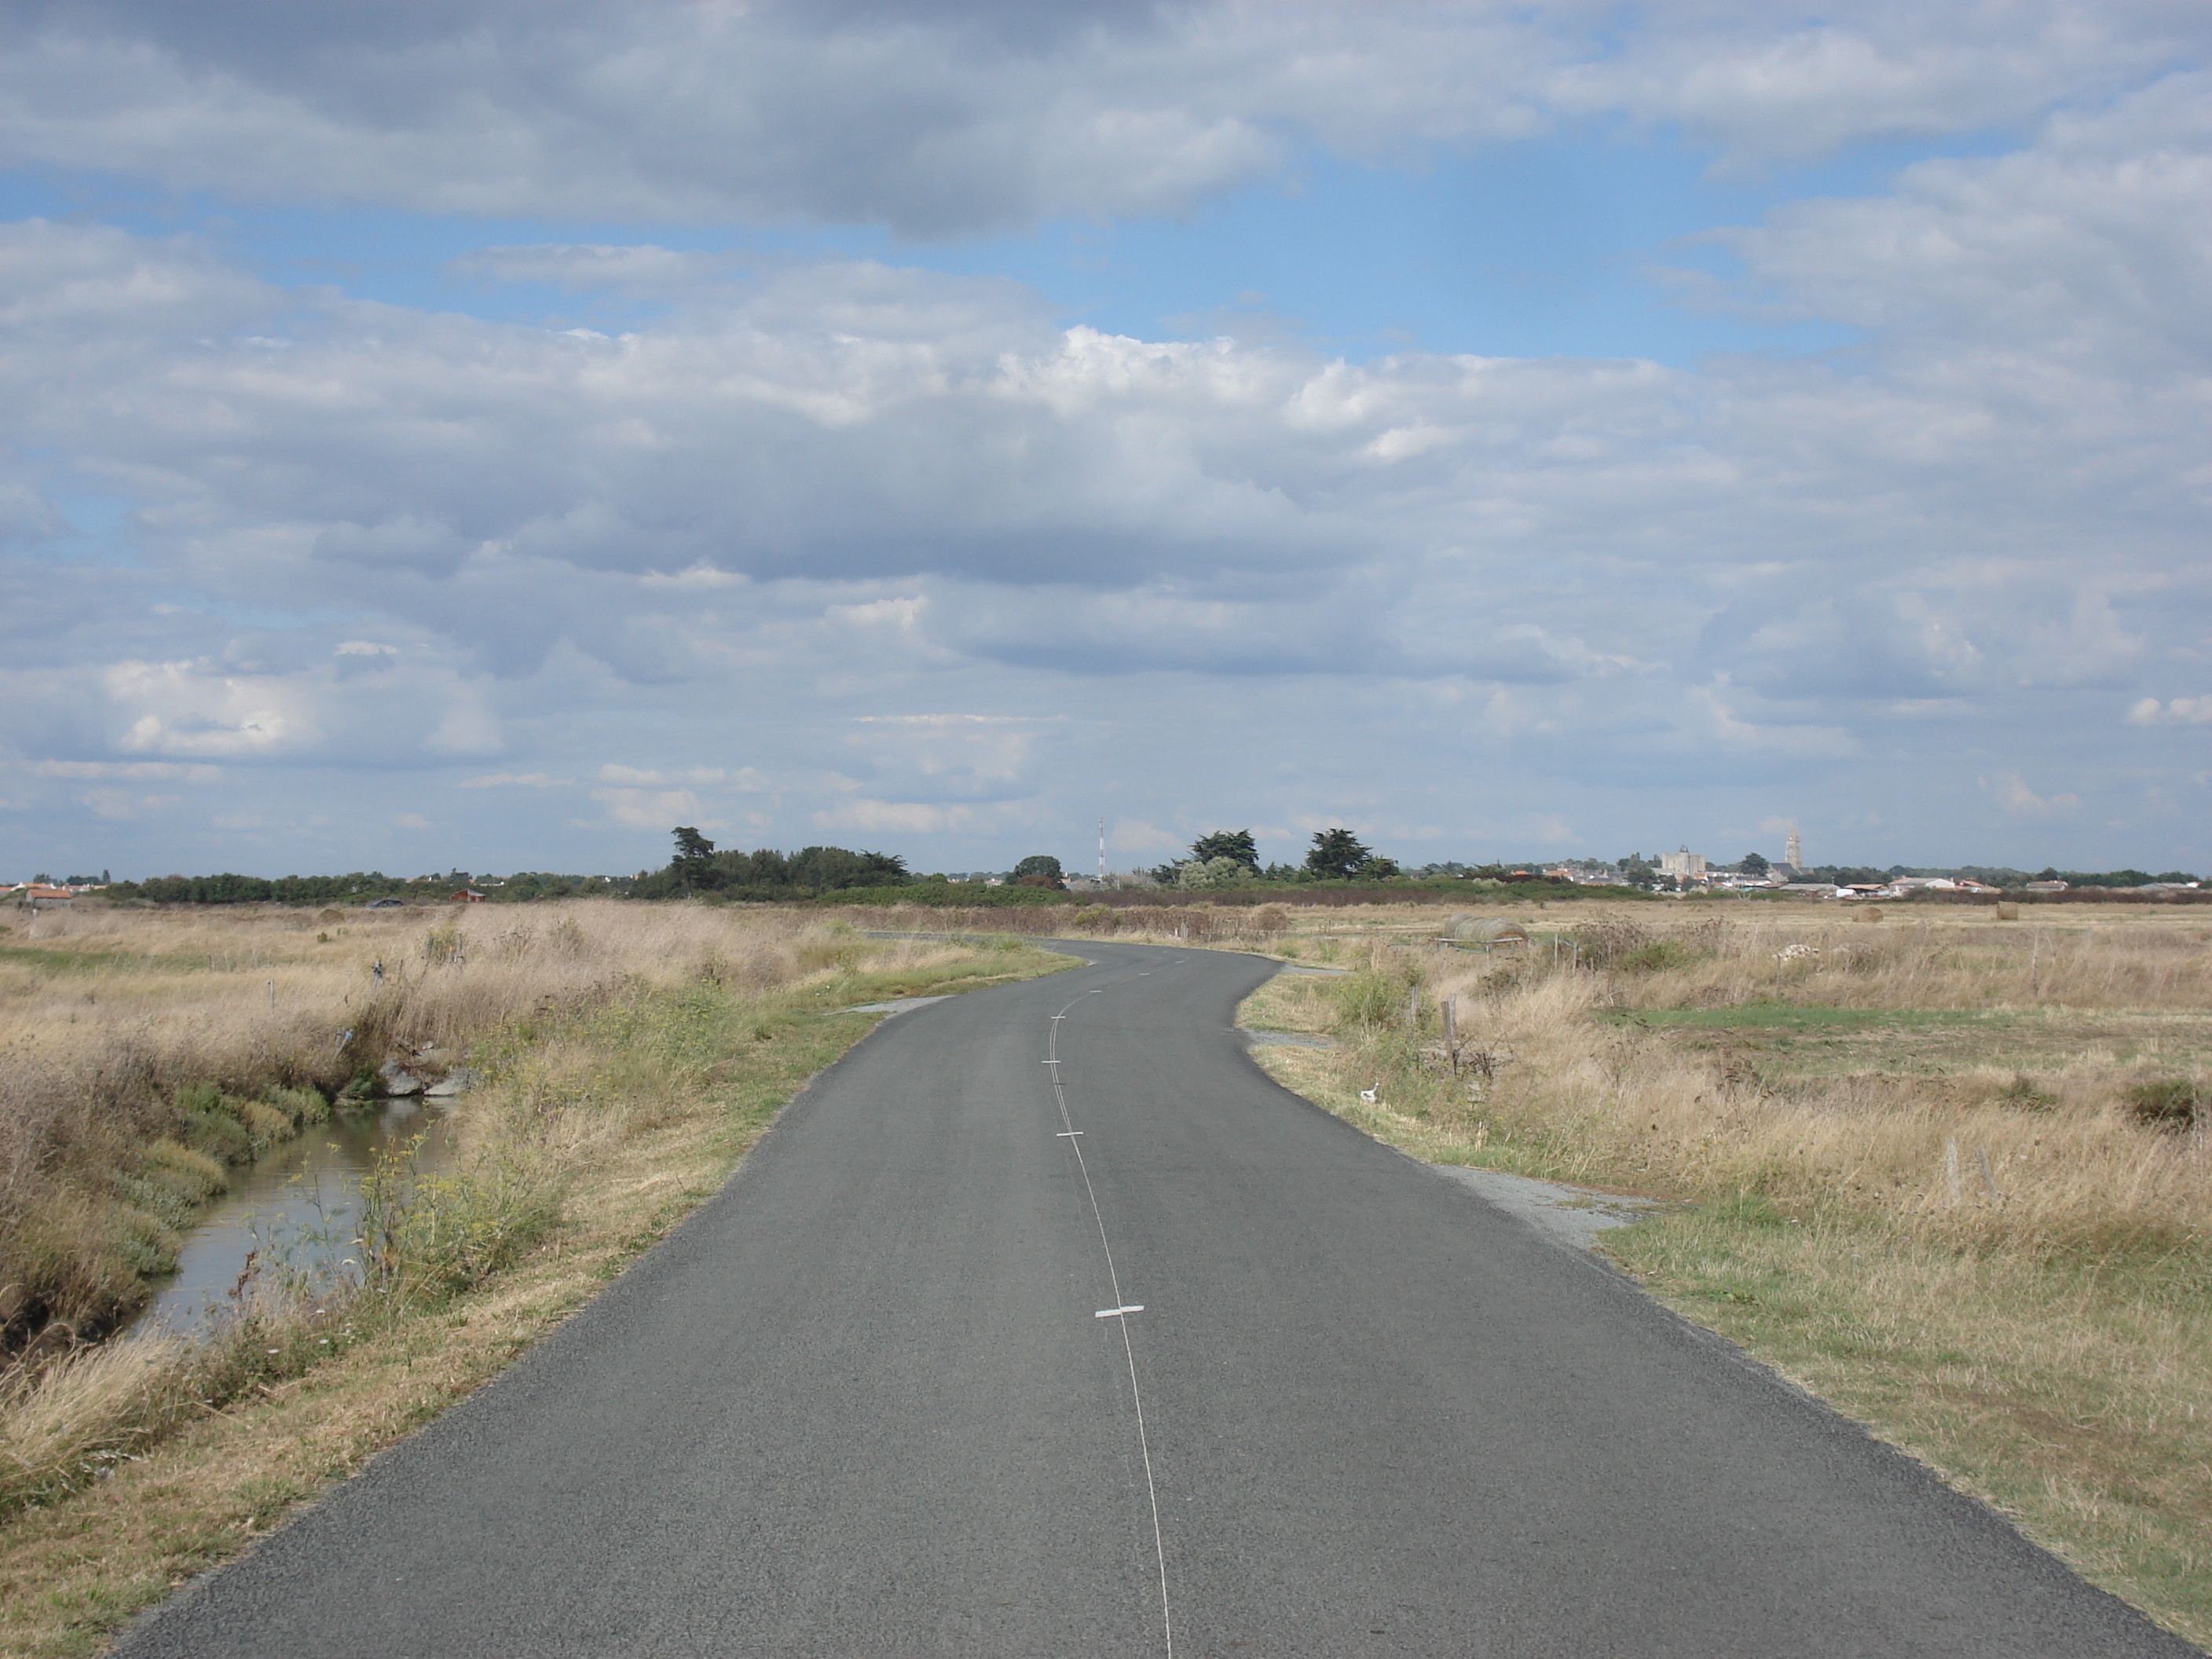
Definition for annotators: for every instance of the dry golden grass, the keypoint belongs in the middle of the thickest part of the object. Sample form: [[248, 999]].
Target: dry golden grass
[[2042, 1332], [604, 1118], [114, 1016]]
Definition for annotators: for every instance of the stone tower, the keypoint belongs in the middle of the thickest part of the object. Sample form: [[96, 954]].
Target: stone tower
[[1793, 854]]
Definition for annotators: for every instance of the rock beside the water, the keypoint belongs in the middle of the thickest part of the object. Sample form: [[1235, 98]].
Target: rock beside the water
[[397, 1079], [454, 1083]]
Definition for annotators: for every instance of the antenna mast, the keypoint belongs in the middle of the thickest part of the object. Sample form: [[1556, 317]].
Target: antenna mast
[[1102, 852]]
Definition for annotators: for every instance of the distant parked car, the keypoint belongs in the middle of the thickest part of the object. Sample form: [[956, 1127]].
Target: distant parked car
[[387, 904]]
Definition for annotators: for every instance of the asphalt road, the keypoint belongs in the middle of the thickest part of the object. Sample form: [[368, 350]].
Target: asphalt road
[[865, 1402]]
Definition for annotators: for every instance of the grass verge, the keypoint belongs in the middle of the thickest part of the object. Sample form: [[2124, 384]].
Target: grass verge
[[599, 1128]]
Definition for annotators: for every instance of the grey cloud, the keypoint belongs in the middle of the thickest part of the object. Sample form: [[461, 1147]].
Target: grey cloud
[[421, 545], [1159, 504], [942, 120]]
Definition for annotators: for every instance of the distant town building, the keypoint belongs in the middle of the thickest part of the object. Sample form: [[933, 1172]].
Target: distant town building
[[1685, 864], [1793, 851]]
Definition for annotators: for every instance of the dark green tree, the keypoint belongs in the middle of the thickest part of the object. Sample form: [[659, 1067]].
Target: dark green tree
[[1227, 844], [831, 868], [1039, 870], [1337, 853], [1753, 864], [693, 868]]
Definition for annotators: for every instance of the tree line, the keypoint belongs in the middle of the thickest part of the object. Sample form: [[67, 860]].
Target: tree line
[[699, 867]]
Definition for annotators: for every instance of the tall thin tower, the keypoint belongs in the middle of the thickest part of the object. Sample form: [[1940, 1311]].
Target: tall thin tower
[[1793, 854], [1102, 852]]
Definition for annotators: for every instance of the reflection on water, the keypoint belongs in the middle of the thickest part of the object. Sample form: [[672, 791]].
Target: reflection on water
[[301, 1204]]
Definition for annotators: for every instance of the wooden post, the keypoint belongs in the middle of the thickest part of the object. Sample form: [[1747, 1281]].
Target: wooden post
[[1451, 1032], [1989, 1180], [1414, 1009]]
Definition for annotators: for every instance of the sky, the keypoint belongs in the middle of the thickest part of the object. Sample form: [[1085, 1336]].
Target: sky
[[486, 435]]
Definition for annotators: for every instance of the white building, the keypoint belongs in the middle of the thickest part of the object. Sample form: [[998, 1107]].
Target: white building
[[1683, 864]]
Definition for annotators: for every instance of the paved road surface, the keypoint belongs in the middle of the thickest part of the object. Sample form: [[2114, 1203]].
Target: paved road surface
[[864, 1403]]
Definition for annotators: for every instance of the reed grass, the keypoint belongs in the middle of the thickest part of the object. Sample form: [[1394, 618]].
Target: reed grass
[[131, 1034]]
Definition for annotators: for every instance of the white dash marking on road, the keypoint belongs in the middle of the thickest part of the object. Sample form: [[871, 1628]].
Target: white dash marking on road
[[1128, 1347]]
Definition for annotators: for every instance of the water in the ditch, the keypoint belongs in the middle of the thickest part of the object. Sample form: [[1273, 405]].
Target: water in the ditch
[[302, 1202]]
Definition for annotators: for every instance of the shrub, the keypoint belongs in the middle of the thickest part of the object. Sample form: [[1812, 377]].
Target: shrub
[[1377, 995], [2172, 1104], [1651, 958], [2022, 1095], [430, 1236]]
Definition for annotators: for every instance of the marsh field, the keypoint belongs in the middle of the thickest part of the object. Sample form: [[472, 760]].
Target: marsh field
[[1949, 1172], [1946, 1170]]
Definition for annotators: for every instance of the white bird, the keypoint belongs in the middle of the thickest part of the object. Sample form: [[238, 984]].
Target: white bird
[[1368, 1095]]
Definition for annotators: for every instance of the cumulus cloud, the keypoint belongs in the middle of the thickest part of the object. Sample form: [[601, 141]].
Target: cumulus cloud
[[839, 545]]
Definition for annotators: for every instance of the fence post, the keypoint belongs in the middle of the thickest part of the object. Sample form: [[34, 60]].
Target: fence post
[[1414, 1009], [1989, 1180]]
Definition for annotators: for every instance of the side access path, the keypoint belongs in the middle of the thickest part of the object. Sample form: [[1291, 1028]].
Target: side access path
[[1045, 1324]]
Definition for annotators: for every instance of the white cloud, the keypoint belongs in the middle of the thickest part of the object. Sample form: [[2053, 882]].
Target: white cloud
[[192, 710], [164, 770], [2010, 792], [744, 777], [900, 818], [121, 804], [2178, 711], [655, 809], [516, 780]]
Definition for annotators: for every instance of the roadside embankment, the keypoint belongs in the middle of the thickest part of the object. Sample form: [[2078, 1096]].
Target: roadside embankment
[[149, 1054], [626, 1058], [1950, 1173]]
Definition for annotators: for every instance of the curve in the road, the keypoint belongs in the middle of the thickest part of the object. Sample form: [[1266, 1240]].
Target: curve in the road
[[888, 1393]]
